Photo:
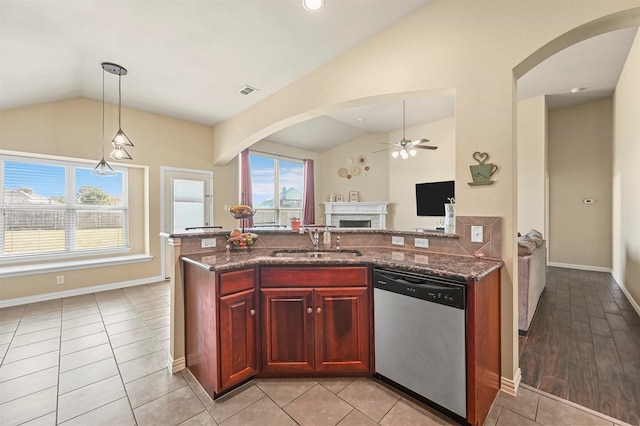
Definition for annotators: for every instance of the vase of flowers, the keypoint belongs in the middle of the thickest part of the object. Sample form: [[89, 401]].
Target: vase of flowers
[[295, 223]]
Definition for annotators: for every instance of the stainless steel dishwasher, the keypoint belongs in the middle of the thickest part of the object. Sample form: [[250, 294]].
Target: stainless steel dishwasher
[[419, 329]]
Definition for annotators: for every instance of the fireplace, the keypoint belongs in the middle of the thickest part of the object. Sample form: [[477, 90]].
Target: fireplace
[[355, 223], [356, 215]]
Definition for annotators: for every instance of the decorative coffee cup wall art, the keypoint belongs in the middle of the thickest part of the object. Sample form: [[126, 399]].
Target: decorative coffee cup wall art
[[481, 173]]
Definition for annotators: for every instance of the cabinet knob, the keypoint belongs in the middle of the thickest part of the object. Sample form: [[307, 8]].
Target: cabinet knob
[[252, 312], [309, 310], [318, 310]]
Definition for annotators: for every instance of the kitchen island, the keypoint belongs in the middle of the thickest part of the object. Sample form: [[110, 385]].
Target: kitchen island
[[253, 314]]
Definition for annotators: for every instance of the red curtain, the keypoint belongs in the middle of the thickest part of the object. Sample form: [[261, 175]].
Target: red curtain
[[308, 204]]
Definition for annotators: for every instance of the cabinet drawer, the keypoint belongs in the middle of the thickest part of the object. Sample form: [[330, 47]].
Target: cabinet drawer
[[235, 281], [314, 276]]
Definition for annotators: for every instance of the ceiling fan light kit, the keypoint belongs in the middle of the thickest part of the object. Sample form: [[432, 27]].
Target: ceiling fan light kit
[[404, 147]]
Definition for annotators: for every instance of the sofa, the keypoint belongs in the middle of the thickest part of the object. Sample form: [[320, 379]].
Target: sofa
[[532, 276]]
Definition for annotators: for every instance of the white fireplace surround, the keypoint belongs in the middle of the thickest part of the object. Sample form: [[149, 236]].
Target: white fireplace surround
[[376, 212]]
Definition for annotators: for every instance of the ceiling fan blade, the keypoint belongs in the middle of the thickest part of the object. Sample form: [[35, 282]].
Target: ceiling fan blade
[[386, 149], [417, 141], [425, 147]]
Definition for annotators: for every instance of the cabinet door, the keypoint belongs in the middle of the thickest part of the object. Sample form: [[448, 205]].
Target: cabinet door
[[287, 331], [342, 329], [237, 338]]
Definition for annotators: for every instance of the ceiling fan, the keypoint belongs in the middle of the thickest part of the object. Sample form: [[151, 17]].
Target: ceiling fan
[[405, 147]]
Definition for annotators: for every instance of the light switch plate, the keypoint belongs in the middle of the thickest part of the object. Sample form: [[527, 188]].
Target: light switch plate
[[422, 242], [477, 234], [208, 242], [397, 241]]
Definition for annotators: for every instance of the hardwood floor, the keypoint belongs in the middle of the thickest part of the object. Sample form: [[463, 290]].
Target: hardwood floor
[[584, 344]]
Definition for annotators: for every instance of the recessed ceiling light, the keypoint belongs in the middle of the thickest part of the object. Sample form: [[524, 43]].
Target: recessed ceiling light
[[312, 5], [247, 90], [577, 89]]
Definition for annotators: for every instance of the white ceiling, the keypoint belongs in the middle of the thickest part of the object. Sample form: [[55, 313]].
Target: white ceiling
[[188, 59]]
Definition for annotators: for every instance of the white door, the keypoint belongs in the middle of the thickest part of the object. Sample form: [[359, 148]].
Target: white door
[[187, 202]]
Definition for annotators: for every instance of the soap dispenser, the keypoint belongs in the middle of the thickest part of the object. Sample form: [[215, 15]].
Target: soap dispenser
[[326, 238]]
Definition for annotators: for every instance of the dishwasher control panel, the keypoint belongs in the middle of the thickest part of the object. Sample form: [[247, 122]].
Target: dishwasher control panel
[[432, 289]]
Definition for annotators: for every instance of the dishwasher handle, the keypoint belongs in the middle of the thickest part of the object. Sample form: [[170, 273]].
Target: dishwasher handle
[[425, 288]]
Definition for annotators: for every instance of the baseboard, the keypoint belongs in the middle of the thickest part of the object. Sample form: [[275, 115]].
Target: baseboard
[[78, 291], [176, 365], [580, 267], [629, 298], [511, 386]]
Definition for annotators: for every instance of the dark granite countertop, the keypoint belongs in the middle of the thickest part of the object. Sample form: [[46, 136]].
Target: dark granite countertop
[[437, 264]]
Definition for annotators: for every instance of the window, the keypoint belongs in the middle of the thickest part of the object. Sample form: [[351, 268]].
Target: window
[[58, 209], [277, 187]]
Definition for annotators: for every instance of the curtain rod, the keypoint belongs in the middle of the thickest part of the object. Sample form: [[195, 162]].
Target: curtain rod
[[276, 155]]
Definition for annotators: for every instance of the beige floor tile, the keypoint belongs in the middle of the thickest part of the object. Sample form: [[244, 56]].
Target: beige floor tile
[[155, 313], [38, 336], [28, 384], [85, 342], [30, 365], [509, 418], [404, 414], [140, 367], [372, 399], [158, 322], [171, 409], [46, 420], [264, 412], [11, 314], [229, 405], [81, 331], [162, 333], [84, 357], [283, 391], [80, 321], [130, 336], [5, 338], [122, 326], [86, 375], [85, 399], [37, 326], [335, 385], [117, 413], [135, 350], [150, 303], [552, 412], [525, 403], [9, 327], [125, 315], [492, 417], [202, 419], [153, 386], [356, 418], [27, 351], [79, 313], [28, 407], [28, 318], [3, 351], [318, 407]]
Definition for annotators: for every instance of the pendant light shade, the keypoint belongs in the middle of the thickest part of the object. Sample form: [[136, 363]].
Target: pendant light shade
[[119, 153], [102, 168], [120, 140]]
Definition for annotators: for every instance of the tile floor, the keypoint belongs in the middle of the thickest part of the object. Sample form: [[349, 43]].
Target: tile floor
[[100, 359]]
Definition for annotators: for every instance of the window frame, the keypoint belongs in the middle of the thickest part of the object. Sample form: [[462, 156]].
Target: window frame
[[70, 209], [276, 209]]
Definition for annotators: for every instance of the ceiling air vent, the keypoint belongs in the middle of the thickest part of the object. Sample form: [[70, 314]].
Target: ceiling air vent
[[247, 90]]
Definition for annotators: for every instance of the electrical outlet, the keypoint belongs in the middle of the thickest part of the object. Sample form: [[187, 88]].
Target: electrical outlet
[[208, 242], [60, 279], [422, 242], [477, 234], [397, 241], [226, 207]]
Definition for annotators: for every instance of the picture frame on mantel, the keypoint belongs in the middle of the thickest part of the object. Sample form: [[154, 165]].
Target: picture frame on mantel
[[353, 196], [339, 199]]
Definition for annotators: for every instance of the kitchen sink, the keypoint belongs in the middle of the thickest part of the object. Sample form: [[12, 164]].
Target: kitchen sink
[[317, 254]]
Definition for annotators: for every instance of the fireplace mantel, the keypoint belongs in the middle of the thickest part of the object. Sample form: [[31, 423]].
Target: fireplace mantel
[[376, 211]]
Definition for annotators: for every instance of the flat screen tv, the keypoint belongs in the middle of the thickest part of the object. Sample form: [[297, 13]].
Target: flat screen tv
[[432, 196]]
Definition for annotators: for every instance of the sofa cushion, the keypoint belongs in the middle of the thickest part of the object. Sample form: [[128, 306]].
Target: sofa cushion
[[535, 236], [526, 246]]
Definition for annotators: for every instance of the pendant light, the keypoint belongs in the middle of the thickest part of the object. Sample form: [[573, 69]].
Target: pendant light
[[103, 168], [120, 140]]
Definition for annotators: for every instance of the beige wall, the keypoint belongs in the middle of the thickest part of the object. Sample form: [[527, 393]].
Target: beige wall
[[626, 176], [580, 152], [426, 166], [532, 164], [475, 48], [72, 128]]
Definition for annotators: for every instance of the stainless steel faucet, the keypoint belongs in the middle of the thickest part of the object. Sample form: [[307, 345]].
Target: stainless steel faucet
[[315, 238]]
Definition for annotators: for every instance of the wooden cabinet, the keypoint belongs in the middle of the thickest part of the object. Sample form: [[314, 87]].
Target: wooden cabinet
[[312, 324], [220, 316]]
